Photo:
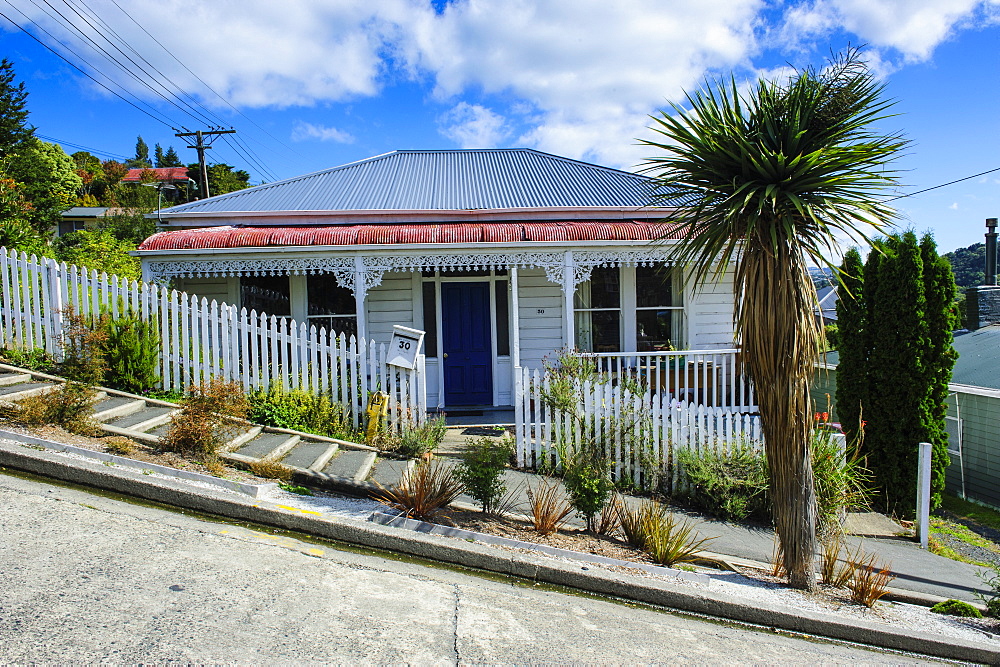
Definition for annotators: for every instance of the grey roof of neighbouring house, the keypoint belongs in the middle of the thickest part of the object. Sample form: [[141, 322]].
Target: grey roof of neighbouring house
[[978, 363], [509, 178]]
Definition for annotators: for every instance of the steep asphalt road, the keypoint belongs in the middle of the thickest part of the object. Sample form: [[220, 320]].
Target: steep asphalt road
[[87, 578]]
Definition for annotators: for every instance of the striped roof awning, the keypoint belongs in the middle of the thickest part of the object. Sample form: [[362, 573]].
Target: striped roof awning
[[399, 234]]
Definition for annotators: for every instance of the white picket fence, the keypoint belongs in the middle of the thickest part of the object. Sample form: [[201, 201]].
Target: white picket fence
[[202, 339], [641, 433]]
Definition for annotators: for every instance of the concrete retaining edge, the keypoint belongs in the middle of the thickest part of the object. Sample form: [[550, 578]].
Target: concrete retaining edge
[[252, 490], [490, 559]]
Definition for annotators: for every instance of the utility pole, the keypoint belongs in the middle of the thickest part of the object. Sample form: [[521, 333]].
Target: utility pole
[[201, 147]]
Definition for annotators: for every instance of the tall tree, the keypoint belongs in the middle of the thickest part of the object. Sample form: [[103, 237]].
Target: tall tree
[[763, 180], [158, 156], [222, 178], [49, 180], [853, 347], [170, 159], [14, 128], [141, 158]]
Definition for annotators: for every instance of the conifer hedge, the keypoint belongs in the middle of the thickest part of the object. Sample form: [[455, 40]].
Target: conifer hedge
[[896, 320]]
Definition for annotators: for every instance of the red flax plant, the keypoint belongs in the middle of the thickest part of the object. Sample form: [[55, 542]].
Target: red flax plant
[[763, 181]]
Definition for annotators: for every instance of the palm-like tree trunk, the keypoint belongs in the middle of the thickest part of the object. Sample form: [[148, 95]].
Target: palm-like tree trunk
[[779, 352]]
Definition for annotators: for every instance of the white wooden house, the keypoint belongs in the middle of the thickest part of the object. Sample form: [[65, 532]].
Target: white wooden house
[[502, 256]]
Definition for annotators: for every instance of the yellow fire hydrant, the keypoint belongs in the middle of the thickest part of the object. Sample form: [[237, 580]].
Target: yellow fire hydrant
[[378, 408]]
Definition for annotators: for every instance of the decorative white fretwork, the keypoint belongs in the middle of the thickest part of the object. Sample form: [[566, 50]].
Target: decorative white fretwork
[[373, 267]]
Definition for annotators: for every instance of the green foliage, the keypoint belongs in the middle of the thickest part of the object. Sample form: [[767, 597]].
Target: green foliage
[[83, 352], [587, 479], [300, 410], [49, 179], [669, 541], [141, 158], [424, 492], [968, 265], [99, 250], [896, 361], [832, 334], [416, 441], [482, 470], [207, 419], [222, 178], [991, 578], [294, 488], [130, 228], [34, 359], [730, 484], [14, 128], [842, 482], [132, 352], [956, 608]]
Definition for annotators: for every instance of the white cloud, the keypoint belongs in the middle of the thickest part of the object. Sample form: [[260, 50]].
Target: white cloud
[[473, 126], [914, 28], [592, 69], [954, 206], [303, 131]]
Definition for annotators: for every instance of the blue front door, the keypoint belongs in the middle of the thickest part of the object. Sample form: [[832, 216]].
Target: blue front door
[[468, 353]]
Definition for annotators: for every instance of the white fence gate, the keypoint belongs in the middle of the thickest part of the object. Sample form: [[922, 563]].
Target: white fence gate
[[202, 339], [641, 433]]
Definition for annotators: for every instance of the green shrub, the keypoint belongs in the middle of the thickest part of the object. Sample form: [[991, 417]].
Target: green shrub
[[729, 484], [669, 541], [588, 482], [992, 579], [956, 608], [841, 481], [416, 441], [132, 352], [35, 359], [300, 410], [482, 470]]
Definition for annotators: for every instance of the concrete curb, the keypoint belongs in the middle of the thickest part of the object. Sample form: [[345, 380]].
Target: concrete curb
[[252, 490], [483, 557], [398, 521]]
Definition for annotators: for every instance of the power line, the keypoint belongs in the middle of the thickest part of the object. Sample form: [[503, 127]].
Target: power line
[[151, 112], [982, 173], [86, 148]]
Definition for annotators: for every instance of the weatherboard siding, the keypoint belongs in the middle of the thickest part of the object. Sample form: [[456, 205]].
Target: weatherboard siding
[[540, 313], [388, 304], [711, 315], [223, 290]]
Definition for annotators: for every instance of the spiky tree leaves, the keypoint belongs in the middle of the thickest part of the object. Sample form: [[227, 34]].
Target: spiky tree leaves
[[764, 180]]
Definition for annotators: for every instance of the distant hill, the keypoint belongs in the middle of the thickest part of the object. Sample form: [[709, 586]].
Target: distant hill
[[969, 265]]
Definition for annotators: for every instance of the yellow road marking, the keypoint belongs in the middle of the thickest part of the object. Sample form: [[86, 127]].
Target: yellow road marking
[[296, 509]]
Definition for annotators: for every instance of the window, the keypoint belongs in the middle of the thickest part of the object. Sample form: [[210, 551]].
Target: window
[[659, 311], [266, 294], [597, 310], [330, 305]]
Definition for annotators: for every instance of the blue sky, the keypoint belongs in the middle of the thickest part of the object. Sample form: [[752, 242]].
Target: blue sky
[[311, 84]]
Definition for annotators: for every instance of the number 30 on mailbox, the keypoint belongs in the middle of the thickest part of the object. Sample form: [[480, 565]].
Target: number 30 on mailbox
[[405, 346]]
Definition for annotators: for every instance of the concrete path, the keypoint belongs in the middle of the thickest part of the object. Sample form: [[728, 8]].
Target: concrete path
[[105, 581], [916, 569]]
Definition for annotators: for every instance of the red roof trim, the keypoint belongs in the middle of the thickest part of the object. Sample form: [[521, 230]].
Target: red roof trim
[[393, 234], [162, 174]]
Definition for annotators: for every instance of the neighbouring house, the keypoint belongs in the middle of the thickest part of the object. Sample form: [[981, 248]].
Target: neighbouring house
[[79, 218], [165, 175], [503, 257], [826, 309]]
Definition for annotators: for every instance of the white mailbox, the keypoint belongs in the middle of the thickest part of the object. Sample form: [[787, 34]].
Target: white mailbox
[[405, 346]]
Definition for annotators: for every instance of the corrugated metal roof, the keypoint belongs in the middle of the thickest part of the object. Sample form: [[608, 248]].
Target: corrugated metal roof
[[440, 180], [391, 234]]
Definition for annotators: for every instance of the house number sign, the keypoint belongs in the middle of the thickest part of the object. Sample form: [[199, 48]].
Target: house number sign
[[404, 346]]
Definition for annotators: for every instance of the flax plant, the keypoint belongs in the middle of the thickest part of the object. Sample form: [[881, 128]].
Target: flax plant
[[763, 181]]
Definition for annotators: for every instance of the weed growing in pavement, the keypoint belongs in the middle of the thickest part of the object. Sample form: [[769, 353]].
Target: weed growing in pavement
[[419, 441], [482, 470], [424, 492], [119, 445], [869, 579], [271, 469], [293, 488], [956, 608], [207, 419], [549, 506]]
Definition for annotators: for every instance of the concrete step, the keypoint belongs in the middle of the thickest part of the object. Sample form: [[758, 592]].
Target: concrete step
[[154, 422], [242, 439], [261, 445], [388, 472], [145, 414], [347, 463], [324, 458], [7, 379], [25, 390], [283, 448], [135, 435], [122, 409], [305, 454]]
